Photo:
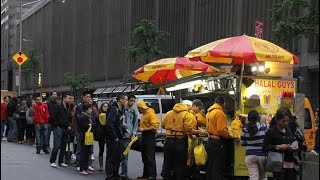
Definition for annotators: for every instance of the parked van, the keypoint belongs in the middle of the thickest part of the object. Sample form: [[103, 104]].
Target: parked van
[[309, 125]]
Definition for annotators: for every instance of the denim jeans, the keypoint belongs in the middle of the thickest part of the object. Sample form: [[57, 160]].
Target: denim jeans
[[3, 123], [60, 138], [124, 163], [41, 136], [13, 131]]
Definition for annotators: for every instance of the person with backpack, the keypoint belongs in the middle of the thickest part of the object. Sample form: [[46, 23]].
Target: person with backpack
[[99, 131], [12, 116], [130, 129], [252, 137], [30, 131], [114, 136]]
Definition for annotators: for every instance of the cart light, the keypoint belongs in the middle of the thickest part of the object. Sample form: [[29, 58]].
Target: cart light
[[254, 69], [261, 68], [231, 92]]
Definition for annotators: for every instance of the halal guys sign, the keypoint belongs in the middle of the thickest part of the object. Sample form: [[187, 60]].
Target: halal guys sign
[[268, 91], [20, 58]]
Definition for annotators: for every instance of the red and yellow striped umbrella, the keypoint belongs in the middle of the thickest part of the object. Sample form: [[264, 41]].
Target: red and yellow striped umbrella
[[165, 70], [242, 49]]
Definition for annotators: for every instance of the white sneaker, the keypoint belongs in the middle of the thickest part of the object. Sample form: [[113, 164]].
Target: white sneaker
[[78, 168], [92, 157], [63, 165], [90, 168], [53, 165]]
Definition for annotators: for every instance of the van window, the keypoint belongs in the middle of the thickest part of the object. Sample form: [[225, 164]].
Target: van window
[[167, 105], [307, 119], [154, 104]]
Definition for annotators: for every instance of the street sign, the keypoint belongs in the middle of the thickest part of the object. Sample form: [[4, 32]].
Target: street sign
[[20, 58], [17, 78], [259, 29]]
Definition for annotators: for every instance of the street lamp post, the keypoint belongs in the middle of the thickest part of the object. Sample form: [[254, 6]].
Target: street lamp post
[[20, 38]]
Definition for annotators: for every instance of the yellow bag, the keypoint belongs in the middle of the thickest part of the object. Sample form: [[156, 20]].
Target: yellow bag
[[103, 118], [88, 139], [200, 155], [126, 151]]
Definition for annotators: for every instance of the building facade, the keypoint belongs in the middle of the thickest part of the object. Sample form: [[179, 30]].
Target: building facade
[[92, 36]]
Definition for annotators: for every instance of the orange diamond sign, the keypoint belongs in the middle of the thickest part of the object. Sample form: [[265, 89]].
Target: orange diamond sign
[[20, 58]]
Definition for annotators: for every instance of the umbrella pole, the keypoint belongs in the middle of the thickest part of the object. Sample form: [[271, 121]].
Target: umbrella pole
[[240, 85]]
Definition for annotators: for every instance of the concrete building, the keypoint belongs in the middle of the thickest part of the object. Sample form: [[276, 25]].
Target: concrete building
[[10, 14], [92, 36]]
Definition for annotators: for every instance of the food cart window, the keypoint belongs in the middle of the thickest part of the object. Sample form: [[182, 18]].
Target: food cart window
[[307, 119], [167, 105], [154, 104]]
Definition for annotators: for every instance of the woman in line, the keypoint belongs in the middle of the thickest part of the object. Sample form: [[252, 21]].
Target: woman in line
[[252, 137], [30, 130], [84, 123], [99, 131], [279, 138]]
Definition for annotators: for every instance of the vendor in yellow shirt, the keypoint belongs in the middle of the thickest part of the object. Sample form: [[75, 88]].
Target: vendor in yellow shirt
[[217, 129], [148, 127], [196, 108]]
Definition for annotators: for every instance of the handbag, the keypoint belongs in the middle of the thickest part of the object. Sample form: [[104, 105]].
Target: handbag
[[88, 139], [274, 162]]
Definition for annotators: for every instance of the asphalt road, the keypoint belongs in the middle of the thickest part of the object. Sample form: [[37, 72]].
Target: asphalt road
[[20, 161]]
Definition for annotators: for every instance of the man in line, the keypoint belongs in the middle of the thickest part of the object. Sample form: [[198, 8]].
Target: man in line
[[41, 118], [86, 97], [53, 109], [149, 125], [4, 116], [11, 111], [218, 130], [114, 132], [131, 126], [60, 131]]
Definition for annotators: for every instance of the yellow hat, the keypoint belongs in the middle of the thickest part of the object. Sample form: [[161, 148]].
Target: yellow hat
[[142, 105]]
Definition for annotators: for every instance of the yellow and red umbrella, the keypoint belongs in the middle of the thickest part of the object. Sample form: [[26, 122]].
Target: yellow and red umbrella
[[168, 69], [242, 49]]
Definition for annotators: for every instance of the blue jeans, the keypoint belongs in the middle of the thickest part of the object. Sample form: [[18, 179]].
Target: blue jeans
[[124, 163], [3, 123], [13, 131], [60, 138], [41, 136]]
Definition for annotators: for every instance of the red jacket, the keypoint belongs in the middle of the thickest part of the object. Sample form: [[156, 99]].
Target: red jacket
[[4, 115], [40, 114]]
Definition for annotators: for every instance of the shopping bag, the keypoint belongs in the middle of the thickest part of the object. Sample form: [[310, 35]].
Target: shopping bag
[[88, 139], [274, 162], [126, 151], [200, 155], [103, 118]]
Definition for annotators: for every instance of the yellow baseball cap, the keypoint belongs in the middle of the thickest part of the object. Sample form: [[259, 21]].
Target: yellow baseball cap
[[142, 105]]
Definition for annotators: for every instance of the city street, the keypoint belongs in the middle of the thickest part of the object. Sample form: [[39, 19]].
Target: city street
[[21, 162]]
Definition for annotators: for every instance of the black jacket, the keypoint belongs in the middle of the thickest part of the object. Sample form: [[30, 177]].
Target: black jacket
[[53, 110], [114, 123], [83, 124], [63, 116], [12, 107], [275, 137]]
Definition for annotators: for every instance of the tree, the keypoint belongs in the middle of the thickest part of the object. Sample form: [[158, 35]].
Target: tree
[[78, 82], [291, 23], [31, 67], [146, 40]]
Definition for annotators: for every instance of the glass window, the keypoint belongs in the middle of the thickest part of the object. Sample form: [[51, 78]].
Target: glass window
[[167, 105], [154, 104], [307, 119]]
